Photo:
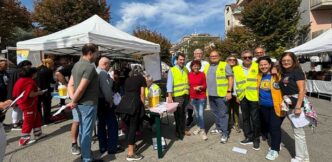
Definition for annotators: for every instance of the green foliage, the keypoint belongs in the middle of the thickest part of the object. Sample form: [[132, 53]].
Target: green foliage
[[54, 15], [274, 22], [155, 37], [13, 16], [236, 41]]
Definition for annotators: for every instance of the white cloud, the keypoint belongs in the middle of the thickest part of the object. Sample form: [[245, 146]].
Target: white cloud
[[178, 14]]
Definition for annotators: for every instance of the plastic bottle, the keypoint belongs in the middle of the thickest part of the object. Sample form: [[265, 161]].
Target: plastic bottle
[[62, 89], [153, 97]]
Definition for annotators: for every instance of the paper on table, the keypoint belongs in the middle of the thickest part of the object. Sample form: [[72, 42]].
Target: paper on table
[[299, 121], [239, 150], [59, 111], [16, 99]]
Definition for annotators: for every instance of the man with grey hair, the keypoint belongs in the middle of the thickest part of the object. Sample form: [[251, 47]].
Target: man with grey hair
[[198, 55], [259, 52], [247, 95], [107, 123]]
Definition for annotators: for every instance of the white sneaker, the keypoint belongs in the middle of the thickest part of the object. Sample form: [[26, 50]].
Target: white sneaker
[[296, 159], [215, 131], [272, 155], [204, 136], [223, 139], [196, 131]]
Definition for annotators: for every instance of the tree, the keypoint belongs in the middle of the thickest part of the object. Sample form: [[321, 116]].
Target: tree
[[155, 37], [237, 40], [54, 15], [274, 22], [15, 19]]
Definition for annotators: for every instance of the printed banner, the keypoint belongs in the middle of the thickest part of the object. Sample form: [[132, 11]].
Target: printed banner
[[22, 55]]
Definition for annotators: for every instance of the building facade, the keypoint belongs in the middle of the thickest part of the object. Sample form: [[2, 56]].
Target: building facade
[[317, 13]]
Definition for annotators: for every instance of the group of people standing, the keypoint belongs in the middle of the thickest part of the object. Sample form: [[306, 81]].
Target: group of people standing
[[255, 84]]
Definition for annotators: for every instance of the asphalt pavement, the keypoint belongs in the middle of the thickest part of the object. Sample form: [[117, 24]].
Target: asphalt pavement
[[56, 146]]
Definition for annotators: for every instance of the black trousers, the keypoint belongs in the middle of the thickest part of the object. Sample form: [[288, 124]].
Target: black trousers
[[180, 114], [132, 122], [271, 124], [251, 119], [44, 103]]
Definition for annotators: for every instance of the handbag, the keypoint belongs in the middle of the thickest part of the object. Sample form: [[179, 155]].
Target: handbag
[[128, 104]]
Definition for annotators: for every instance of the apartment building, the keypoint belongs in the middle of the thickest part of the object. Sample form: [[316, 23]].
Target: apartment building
[[318, 13]]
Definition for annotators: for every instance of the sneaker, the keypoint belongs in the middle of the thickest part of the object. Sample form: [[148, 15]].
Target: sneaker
[[31, 141], [299, 160], [246, 141], [134, 157], [256, 146], [223, 139], [204, 136], [75, 150], [24, 141], [272, 155], [16, 127], [215, 131], [196, 131]]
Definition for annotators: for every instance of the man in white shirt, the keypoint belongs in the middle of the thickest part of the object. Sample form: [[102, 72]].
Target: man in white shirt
[[198, 55]]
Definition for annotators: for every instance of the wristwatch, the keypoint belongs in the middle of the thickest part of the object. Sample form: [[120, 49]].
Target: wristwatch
[[229, 91]]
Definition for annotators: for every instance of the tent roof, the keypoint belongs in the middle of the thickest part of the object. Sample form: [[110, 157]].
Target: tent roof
[[322, 43], [93, 30]]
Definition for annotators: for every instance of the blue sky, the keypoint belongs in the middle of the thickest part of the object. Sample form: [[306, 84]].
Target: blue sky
[[172, 18]]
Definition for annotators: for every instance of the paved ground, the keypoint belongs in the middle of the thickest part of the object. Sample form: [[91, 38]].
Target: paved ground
[[56, 146]]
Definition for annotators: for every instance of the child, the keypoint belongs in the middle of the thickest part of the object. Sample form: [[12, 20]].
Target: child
[[28, 104]]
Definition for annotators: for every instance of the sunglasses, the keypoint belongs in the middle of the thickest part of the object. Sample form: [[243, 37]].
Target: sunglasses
[[231, 59], [247, 57]]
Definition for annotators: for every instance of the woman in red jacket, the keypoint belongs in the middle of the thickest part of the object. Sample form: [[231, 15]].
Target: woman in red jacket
[[197, 92], [28, 104]]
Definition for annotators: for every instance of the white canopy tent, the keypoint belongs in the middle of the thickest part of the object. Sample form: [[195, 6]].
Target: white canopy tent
[[322, 43], [93, 30], [112, 42]]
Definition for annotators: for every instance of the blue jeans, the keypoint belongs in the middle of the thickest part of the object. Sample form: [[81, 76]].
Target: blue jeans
[[219, 108], [87, 117], [199, 105], [108, 131]]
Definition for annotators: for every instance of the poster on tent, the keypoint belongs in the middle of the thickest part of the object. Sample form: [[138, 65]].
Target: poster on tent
[[22, 55]]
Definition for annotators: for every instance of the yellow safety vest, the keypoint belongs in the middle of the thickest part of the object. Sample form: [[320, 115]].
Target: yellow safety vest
[[222, 82], [246, 86], [180, 81]]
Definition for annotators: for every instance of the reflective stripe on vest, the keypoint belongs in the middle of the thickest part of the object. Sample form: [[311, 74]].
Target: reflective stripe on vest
[[221, 79], [246, 86], [180, 81]]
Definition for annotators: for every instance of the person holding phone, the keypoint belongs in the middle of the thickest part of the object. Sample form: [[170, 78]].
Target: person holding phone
[[28, 104]]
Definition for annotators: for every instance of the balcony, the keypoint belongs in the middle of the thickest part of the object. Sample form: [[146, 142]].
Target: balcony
[[320, 4]]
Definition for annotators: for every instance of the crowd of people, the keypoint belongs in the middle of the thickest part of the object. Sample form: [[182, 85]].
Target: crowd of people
[[254, 85]]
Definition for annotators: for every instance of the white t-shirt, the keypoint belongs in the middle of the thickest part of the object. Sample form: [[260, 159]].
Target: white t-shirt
[[203, 62]]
